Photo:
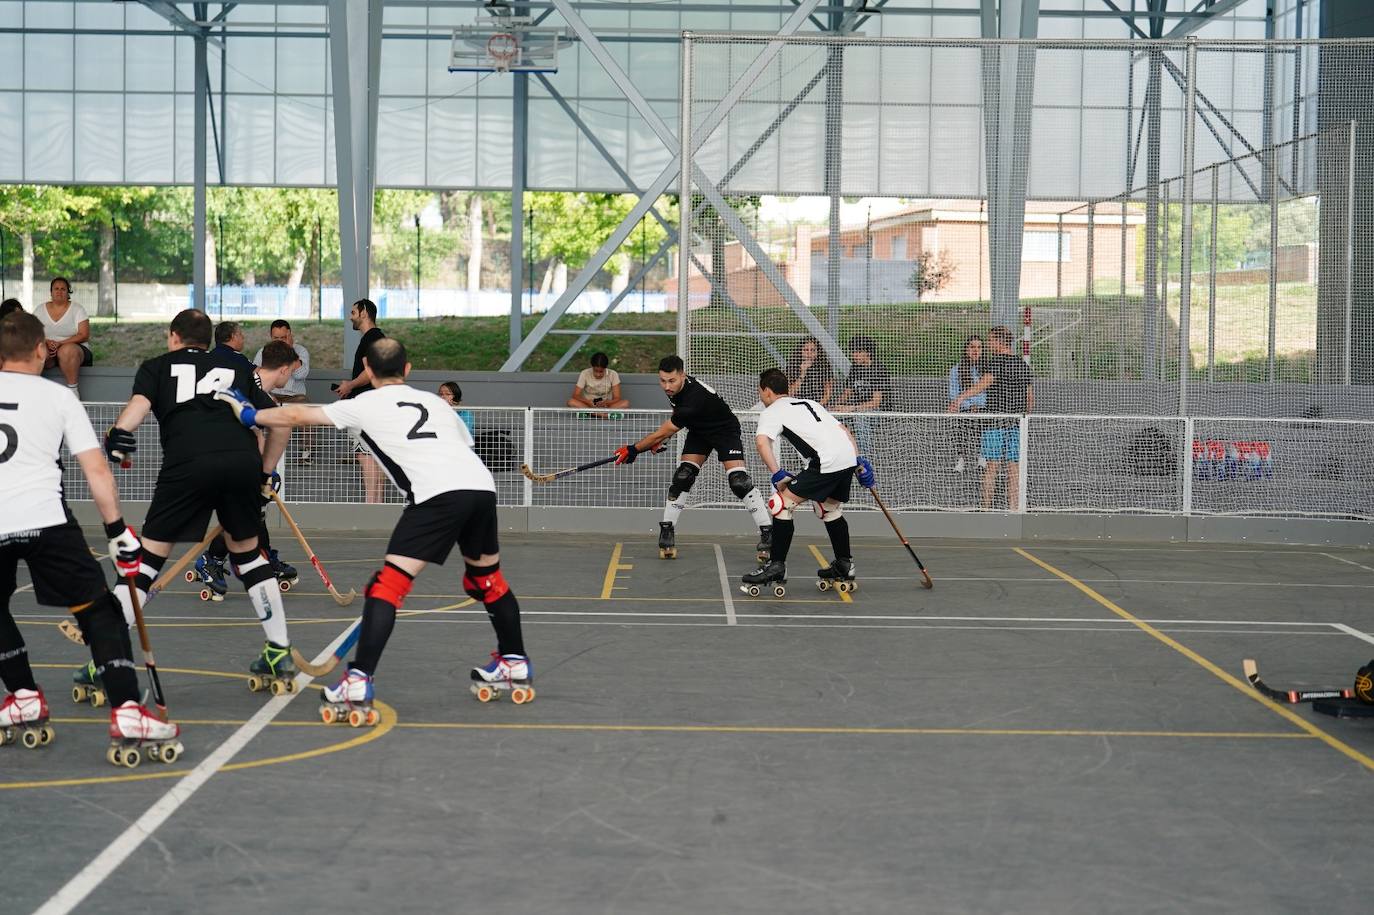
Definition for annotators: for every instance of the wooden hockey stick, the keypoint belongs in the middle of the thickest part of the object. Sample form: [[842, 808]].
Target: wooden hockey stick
[[925, 576], [558, 475], [343, 600], [69, 628], [148, 663], [1291, 696], [323, 670]]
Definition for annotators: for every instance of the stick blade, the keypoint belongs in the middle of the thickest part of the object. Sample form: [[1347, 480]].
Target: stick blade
[[343, 600], [314, 670], [1251, 669], [925, 580], [536, 477]]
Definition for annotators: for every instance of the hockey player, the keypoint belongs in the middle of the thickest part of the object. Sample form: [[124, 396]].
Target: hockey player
[[711, 426], [36, 526], [209, 463], [831, 457], [450, 499]]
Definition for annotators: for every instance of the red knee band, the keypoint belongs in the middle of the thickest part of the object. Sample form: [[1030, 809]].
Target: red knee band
[[488, 588], [391, 585]]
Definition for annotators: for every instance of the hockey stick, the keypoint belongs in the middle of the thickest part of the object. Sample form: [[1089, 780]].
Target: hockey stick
[[925, 576], [323, 670], [148, 663], [343, 600], [557, 475], [1291, 696], [69, 628]]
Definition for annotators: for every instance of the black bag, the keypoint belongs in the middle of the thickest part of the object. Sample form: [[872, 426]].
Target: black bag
[[496, 451], [1151, 454]]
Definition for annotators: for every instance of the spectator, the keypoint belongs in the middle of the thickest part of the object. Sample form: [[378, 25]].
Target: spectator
[[963, 376], [68, 330], [363, 316], [452, 395], [1007, 380], [9, 307], [864, 390], [598, 386], [229, 342], [809, 374], [293, 391]]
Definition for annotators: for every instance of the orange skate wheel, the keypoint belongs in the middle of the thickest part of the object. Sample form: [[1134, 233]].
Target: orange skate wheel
[[485, 694], [520, 695], [356, 717], [373, 716], [327, 715]]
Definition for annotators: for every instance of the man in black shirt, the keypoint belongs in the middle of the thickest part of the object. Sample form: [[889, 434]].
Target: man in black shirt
[[865, 390], [711, 426], [1007, 379], [210, 462], [363, 315]]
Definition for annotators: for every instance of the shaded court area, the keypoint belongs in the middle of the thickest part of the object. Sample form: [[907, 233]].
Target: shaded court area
[[1056, 727]]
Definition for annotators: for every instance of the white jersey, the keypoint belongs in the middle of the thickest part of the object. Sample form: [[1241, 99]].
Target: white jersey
[[816, 435], [35, 416], [417, 438]]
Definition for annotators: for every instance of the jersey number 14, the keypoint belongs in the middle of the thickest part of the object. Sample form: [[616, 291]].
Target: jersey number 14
[[217, 379]]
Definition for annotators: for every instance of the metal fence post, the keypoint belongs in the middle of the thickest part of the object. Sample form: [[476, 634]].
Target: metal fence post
[[1185, 267], [684, 205], [1023, 432], [1186, 465], [1349, 253], [528, 499]]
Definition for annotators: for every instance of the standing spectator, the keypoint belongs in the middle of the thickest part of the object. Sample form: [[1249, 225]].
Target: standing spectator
[[864, 391], [1007, 380], [598, 386], [452, 395], [809, 374], [67, 328], [363, 316], [293, 391], [229, 342], [963, 376]]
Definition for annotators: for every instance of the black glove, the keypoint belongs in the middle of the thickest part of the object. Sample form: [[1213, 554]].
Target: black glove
[[626, 454], [271, 482], [119, 444]]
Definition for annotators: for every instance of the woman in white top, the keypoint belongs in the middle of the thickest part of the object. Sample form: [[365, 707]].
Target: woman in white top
[[598, 386], [68, 330]]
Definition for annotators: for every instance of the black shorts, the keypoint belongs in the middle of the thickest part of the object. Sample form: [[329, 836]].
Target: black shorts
[[64, 572], [229, 485], [725, 443], [429, 530], [816, 486]]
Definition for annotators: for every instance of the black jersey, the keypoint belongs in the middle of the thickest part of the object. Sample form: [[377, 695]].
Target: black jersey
[[181, 386], [699, 408], [369, 338], [1012, 377]]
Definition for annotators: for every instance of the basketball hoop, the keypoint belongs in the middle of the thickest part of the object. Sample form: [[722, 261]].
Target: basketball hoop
[[503, 49]]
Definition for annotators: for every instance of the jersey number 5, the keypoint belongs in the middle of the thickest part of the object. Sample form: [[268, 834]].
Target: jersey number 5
[[11, 435], [415, 432], [217, 379]]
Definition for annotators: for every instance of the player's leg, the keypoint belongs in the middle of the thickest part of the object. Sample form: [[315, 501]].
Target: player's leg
[[991, 451], [683, 479], [372, 477], [1012, 451], [731, 456], [70, 357], [24, 702], [509, 668], [772, 568], [831, 498]]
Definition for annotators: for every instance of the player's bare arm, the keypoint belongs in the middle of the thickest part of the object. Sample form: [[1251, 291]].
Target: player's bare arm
[[764, 444], [103, 490], [982, 384], [292, 415], [134, 413]]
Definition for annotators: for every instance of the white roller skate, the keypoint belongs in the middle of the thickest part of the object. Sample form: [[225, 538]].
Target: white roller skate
[[135, 731], [350, 700], [24, 718], [505, 672], [771, 576], [838, 575]]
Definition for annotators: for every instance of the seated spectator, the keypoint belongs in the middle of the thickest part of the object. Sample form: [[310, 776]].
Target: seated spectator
[[809, 374], [294, 389], [68, 330], [452, 395], [598, 386], [9, 307], [963, 376], [864, 389], [229, 342]]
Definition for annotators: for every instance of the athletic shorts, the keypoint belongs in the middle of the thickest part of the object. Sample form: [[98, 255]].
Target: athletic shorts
[[64, 572], [229, 485], [429, 530], [1002, 445], [816, 486], [726, 444]]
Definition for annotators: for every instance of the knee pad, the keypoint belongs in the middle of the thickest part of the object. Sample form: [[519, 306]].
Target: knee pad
[[251, 567], [684, 478], [740, 483], [778, 507], [485, 583], [830, 510], [391, 584], [103, 627]]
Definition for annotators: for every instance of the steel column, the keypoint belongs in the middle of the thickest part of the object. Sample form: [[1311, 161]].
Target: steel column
[[199, 153], [1185, 269]]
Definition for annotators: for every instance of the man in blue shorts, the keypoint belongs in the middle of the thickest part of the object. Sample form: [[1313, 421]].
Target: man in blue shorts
[[1007, 380]]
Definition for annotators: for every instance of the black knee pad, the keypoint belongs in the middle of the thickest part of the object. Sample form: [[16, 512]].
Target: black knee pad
[[259, 572], [740, 483], [684, 478], [102, 626]]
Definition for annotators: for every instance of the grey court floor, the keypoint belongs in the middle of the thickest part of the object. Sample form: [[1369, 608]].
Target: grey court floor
[[1055, 728]]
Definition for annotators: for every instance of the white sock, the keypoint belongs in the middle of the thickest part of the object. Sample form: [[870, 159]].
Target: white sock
[[73, 388], [754, 502], [673, 510], [265, 596]]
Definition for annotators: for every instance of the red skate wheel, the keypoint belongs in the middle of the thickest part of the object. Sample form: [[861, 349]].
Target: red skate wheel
[[190, 576], [284, 584], [204, 593]]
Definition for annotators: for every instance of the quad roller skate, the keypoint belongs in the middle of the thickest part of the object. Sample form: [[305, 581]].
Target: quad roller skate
[[765, 544], [768, 576], [86, 686], [667, 540], [838, 575], [350, 700], [24, 718], [273, 670], [286, 574], [209, 571], [136, 732], [504, 672]]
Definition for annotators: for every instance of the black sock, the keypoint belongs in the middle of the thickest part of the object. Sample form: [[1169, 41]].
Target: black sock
[[782, 539], [219, 550], [839, 537], [379, 618], [264, 538], [14, 656], [504, 613], [102, 625]]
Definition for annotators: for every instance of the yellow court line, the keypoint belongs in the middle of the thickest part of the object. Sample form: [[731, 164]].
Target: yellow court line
[[1207, 665], [821, 559], [919, 732], [444, 609], [614, 566]]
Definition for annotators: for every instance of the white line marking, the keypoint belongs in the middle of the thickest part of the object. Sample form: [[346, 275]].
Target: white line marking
[[1349, 630], [106, 862], [1139, 581], [725, 586], [1349, 562]]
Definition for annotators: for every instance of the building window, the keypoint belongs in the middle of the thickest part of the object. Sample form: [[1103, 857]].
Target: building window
[[899, 248], [1042, 247]]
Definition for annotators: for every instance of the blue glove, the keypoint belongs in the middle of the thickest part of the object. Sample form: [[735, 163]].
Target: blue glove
[[866, 478], [782, 476], [243, 407]]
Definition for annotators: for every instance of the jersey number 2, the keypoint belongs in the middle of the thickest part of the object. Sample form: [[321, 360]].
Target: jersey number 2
[[217, 379], [415, 432]]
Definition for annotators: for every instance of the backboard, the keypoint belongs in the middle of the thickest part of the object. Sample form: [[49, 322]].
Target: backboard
[[508, 44]]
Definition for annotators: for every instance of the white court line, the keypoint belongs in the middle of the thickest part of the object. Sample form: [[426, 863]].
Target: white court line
[[1350, 630], [1139, 581], [725, 586], [1349, 562], [106, 862]]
